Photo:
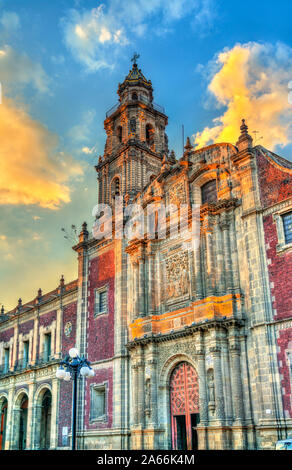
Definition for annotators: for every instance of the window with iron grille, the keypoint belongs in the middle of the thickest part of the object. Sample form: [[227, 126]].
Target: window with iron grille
[[287, 224], [209, 192], [98, 402], [101, 301]]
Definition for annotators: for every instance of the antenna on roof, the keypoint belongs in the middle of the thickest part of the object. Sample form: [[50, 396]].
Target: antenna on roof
[[183, 137], [255, 136]]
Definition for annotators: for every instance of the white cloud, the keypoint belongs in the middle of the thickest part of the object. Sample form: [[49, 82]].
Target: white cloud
[[9, 21], [18, 69], [250, 81], [81, 132], [95, 36], [32, 169]]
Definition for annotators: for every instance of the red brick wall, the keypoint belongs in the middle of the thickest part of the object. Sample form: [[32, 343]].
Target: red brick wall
[[100, 333], [275, 185], [69, 315], [65, 407], [6, 335], [65, 395], [285, 337], [26, 327], [47, 318], [101, 376], [280, 271]]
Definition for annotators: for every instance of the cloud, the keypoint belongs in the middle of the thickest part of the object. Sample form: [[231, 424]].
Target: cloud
[[81, 133], [87, 150], [9, 21], [95, 37], [32, 169], [18, 69], [251, 81]]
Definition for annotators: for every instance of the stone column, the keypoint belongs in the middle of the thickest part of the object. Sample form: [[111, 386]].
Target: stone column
[[141, 287], [141, 390], [151, 284], [134, 392], [227, 255], [15, 346], [237, 394], [14, 436], [219, 392], [54, 415], [136, 288], [220, 275], [58, 333], [210, 284], [234, 253], [9, 420], [37, 421], [198, 273], [35, 338], [30, 421]]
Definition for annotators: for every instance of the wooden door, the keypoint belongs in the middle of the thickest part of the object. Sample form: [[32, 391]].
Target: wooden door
[[184, 405]]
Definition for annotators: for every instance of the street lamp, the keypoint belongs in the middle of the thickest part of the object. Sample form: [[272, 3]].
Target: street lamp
[[72, 367]]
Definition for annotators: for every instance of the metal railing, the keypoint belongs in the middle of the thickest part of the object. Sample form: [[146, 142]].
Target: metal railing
[[142, 99]]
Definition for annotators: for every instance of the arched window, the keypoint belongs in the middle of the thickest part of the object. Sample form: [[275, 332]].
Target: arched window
[[134, 96], [209, 192], [133, 125], [149, 135], [152, 177], [120, 133], [116, 187]]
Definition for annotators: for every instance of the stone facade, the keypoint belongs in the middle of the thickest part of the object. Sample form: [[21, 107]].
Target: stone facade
[[204, 319]]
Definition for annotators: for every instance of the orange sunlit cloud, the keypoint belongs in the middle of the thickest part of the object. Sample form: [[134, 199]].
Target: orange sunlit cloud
[[252, 83], [32, 170]]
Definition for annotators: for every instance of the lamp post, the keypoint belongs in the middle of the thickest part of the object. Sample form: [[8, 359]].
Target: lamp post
[[72, 367]]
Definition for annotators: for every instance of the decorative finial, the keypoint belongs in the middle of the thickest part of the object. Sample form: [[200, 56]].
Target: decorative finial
[[84, 226], [188, 145], [243, 128], [62, 281], [19, 305], [172, 156], [40, 293], [245, 141], [2, 310], [135, 58]]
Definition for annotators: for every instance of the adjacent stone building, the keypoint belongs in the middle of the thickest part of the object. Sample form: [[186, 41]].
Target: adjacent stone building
[[190, 336]]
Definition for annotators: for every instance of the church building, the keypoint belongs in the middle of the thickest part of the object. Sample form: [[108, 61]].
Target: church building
[[190, 338]]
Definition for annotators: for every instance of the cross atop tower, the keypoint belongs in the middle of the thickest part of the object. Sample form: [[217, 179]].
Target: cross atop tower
[[135, 58]]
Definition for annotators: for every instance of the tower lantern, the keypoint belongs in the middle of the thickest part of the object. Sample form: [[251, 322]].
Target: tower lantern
[[136, 139]]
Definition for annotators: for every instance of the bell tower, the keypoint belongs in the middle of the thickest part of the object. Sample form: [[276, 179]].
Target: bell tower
[[136, 140]]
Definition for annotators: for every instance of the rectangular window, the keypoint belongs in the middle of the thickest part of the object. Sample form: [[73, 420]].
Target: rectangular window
[[287, 224], [47, 346], [25, 353], [6, 360], [100, 301], [98, 403]]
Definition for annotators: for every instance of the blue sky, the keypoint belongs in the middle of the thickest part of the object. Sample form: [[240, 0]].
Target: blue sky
[[60, 65]]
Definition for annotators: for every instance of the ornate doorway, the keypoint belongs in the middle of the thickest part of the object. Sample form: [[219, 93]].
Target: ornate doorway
[[3, 420], [184, 407]]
